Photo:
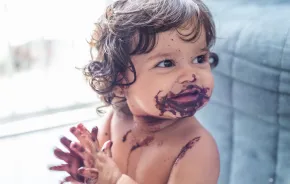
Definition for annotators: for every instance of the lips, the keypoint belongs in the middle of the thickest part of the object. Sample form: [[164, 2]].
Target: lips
[[186, 102], [186, 96]]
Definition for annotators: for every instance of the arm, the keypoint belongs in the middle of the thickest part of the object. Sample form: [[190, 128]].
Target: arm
[[200, 165]]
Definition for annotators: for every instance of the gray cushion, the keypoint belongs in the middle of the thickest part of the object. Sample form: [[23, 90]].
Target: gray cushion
[[249, 113]]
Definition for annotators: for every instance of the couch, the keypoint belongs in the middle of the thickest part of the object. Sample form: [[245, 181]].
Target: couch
[[249, 112]]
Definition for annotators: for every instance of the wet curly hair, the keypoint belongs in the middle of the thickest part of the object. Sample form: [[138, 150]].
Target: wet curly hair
[[130, 27]]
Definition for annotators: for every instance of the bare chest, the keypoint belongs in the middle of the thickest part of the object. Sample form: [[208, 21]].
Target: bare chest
[[149, 162]]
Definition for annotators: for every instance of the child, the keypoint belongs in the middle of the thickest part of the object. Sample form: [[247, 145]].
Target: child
[[153, 71]]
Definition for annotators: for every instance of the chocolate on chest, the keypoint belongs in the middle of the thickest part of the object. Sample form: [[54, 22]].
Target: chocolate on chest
[[146, 159]]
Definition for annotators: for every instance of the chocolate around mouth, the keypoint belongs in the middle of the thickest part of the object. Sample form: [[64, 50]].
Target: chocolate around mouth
[[185, 94], [171, 103]]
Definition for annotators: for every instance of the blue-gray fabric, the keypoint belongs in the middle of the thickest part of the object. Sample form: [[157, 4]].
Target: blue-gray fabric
[[249, 113]]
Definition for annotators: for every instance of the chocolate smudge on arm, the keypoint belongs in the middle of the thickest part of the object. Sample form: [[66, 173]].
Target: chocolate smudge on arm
[[125, 136], [185, 148]]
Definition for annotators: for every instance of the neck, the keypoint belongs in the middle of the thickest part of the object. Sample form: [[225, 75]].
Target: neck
[[146, 124], [149, 124]]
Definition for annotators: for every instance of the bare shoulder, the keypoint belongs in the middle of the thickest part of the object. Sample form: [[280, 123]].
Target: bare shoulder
[[198, 161], [104, 127]]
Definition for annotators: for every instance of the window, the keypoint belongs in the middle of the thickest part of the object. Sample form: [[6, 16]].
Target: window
[[42, 41]]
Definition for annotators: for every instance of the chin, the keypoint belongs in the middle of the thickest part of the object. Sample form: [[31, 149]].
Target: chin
[[168, 115]]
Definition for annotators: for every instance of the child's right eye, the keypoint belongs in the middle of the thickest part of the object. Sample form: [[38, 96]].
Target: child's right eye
[[166, 63]]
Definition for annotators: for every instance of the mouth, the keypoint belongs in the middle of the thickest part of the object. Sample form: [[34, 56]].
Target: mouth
[[186, 102], [186, 96]]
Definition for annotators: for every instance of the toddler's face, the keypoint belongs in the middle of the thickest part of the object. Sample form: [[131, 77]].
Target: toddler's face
[[173, 80]]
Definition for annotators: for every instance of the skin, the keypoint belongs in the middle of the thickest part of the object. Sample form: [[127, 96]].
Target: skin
[[156, 142]]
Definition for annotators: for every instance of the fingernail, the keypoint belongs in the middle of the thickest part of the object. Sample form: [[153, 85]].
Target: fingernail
[[73, 129], [95, 129], [75, 145], [57, 150], [80, 126], [94, 133], [64, 139], [81, 170]]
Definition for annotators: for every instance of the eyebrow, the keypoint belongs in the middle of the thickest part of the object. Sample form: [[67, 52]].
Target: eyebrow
[[160, 54], [205, 48], [167, 54]]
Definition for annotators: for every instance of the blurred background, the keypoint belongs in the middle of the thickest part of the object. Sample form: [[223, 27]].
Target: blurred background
[[41, 91]]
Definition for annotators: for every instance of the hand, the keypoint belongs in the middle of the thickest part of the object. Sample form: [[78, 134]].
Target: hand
[[105, 171], [99, 165], [73, 159]]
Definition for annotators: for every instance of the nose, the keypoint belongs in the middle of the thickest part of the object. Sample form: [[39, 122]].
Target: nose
[[187, 76]]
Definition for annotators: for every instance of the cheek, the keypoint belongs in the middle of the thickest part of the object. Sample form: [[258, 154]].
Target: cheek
[[208, 81], [141, 95]]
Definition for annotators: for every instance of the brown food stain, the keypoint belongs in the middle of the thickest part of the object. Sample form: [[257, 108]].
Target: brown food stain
[[188, 146], [125, 136], [144, 142]]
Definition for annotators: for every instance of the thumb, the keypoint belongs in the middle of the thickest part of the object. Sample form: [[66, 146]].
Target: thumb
[[107, 148]]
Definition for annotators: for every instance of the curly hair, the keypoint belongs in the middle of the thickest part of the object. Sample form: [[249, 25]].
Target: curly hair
[[130, 27]]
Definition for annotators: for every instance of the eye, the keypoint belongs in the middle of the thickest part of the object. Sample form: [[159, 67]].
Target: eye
[[166, 63], [200, 59]]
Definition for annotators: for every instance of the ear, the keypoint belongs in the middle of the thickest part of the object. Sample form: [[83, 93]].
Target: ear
[[213, 60], [119, 91]]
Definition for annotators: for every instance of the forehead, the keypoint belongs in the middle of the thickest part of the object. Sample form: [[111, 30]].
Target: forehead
[[178, 38]]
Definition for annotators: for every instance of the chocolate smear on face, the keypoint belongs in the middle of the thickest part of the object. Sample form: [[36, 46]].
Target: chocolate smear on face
[[188, 146], [170, 102]]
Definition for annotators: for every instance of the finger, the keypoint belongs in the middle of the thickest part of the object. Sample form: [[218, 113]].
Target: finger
[[91, 173], [82, 128], [73, 159], [75, 165], [66, 142], [107, 148], [87, 157], [84, 138], [90, 139], [63, 155], [63, 167], [95, 131]]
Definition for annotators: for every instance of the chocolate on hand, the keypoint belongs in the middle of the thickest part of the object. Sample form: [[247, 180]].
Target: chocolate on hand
[[73, 159]]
